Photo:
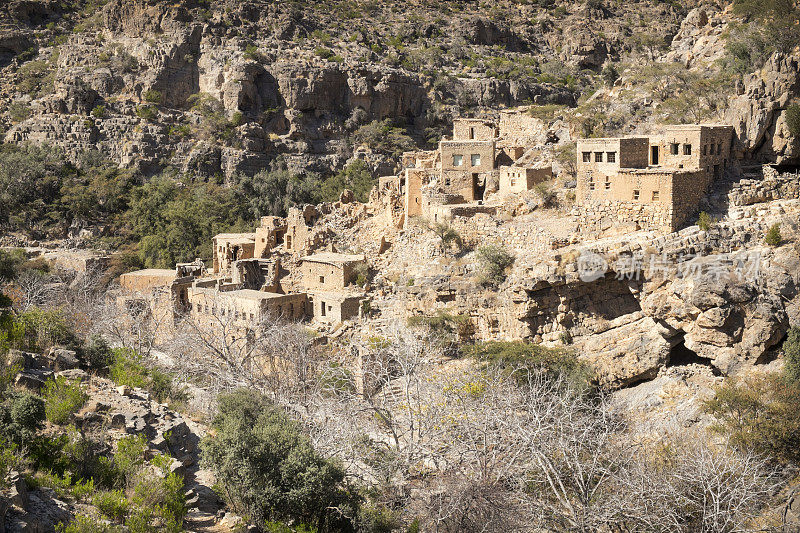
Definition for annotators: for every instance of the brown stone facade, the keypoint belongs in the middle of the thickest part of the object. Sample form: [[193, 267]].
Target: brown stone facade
[[651, 183], [329, 271]]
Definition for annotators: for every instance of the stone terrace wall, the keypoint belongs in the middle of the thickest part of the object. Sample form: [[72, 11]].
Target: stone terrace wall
[[774, 187], [600, 216]]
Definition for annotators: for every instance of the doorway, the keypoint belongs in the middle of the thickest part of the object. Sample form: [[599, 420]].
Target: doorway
[[478, 188], [654, 155]]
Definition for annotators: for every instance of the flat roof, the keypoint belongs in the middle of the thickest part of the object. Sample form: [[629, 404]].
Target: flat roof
[[152, 272], [613, 139], [235, 237], [695, 126], [248, 294], [334, 258]]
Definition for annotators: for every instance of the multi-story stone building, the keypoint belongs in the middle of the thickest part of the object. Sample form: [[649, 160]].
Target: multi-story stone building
[[649, 182]]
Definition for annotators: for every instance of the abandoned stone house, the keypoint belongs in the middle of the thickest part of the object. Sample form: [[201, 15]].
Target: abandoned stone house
[[649, 182], [479, 160], [253, 275], [328, 279]]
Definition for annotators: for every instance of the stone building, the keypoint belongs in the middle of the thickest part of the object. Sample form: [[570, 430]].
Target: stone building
[[519, 179], [231, 247], [468, 168], [649, 182], [330, 271], [242, 307], [269, 234]]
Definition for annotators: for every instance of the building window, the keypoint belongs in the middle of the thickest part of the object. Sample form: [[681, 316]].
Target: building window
[[447, 182], [322, 308], [705, 149], [513, 182], [472, 133], [608, 183], [636, 194], [591, 183], [587, 157], [476, 160], [611, 157], [719, 149], [655, 196], [598, 157], [458, 160], [687, 149], [673, 148], [322, 279]]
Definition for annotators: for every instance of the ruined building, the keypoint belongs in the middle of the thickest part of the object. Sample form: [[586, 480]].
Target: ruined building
[[650, 182]]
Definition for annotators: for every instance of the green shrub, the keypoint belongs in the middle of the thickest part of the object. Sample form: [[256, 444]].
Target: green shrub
[[357, 177], [153, 96], [112, 504], [162, 386], [146, 112], [385, 137], [773, 236], [492, 264], [97, 353], [99, 111], [760, 413], [322, 52], [21, 416], [87, 524], [793, 120], [791, 352], [448, 235], [129, 456], [522, 358], [127, 368], [19, 111], [62, 399], [704, 221], [268, 468]]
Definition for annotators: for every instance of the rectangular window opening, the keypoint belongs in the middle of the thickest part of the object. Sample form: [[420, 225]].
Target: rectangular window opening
[[598, 157], [476, 160], [636, 194], [458, 160], [673, 148], [611, 157], [687, 149], [587, 157], [655, 195]]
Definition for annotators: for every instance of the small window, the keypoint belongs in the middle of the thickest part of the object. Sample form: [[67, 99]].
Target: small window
[[322, 279], [598, 157], [705, 149], [322, 308], [655, 196], [587, 157], [719, 149], [591, 183], [636, 194], [447, 182], [673, 148], [458, 160], [611, 157], [472, 133], [476, 160], [687, 149], [608, 183], [513, 182]]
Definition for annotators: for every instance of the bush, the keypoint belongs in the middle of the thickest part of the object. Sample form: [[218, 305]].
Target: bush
[[385, 137], [112, 504], [62, 399], [127, 368], [129, 456], [97, 353], [21, 416], [760, 413], [153, 96], [146, 112], [448, 235], [791, 352], [324, 53], [268, 468], [99, 111], [522, 358], [357, 177], [704, 221], [87, 524], [773, 236], [492, 264], [18, 111], [793, 120]]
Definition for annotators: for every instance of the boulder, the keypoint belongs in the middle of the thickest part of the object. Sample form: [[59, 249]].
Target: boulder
[[18, 491], [61, 359]]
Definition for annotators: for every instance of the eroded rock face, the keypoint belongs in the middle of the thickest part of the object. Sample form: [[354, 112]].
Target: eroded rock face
[[759, 112]]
